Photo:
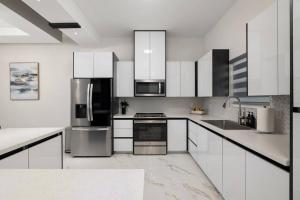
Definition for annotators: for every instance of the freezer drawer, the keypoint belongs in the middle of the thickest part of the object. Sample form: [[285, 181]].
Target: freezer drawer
[[86, 141]]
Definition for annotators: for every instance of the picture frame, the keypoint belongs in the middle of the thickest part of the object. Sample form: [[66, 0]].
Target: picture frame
[[24, 81]]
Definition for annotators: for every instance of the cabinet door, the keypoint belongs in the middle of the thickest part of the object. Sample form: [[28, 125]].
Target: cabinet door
[[264, 180], [283, 47], [83, 64], [123, 145], [47, 155], [214, 160], [296, 155], [205, 75], [173, 79], [262, 53], [125, 79], [15, 161], [202, 150], [103, 65], [192, 149], [234, 166], [142, 55], [296, 52], [158, 55], [177, 137], [187, 79]]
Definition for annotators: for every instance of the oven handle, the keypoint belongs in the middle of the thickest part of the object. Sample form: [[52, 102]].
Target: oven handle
[[150, 121]]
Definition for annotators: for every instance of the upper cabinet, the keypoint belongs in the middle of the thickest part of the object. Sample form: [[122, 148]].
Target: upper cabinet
[[93, 64], [269, 51], [180, 79], [124, 78], [213, 73], [150, 55], [296, 59]]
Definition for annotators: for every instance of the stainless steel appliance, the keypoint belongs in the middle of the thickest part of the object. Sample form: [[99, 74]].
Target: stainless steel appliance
[[150, 134], [150, 88], [91, 117]]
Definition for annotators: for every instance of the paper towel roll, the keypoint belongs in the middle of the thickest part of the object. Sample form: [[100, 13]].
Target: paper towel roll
[[265, 120]]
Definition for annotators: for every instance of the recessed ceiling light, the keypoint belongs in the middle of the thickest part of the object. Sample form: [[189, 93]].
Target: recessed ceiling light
[[75, 33], [38, 0]]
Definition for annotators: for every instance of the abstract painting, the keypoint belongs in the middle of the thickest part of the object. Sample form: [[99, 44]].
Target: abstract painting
[[24, 81]]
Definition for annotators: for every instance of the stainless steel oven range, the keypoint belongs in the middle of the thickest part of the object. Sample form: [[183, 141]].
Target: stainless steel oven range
[[150, 134]]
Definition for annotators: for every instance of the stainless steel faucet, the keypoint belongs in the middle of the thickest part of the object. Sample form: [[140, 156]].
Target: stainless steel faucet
[[240, 106]]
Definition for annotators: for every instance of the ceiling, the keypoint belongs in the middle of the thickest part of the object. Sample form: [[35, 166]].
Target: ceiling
[[16, 29], [183, 18]]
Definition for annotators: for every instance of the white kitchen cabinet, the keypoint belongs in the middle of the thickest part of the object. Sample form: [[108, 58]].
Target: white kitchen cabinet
[[203, 148], [269, 51], [234, 169], [177, 135], [284, 47], [264, 180], [214, 160], [150, 58], [296, 54], [192, 149], [15, 161], [121, 124], [213, 73], [46, 155], [93, 64], [123, 145], [187, 81], [296, 155], [158, 55], [180, 79], [103, 64], [125, 79], [173, 79], [83, 64]]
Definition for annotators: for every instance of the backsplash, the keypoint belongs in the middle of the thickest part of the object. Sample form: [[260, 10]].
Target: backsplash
[[281, 105], [160, 104]]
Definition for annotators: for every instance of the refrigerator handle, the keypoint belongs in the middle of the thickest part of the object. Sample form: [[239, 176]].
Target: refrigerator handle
[[91, 102], [88, 102]]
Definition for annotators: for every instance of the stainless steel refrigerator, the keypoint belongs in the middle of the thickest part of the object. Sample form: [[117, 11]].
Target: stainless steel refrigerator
[[91, 117]]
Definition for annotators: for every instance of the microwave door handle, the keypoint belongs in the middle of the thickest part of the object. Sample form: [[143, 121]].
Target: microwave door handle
[[88, 102], [159, 88], [91, 102]]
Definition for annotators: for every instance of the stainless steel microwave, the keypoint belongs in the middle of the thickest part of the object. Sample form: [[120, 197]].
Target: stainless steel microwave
[[150, 88]]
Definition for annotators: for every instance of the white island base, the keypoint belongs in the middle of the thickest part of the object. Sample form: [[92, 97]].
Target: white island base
[[72, 184]]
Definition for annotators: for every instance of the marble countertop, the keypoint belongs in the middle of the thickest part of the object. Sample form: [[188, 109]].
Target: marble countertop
[[97, 184], [274, 146], [14, 138]]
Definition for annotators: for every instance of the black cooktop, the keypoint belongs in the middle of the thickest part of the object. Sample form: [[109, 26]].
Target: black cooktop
[[149, 115]]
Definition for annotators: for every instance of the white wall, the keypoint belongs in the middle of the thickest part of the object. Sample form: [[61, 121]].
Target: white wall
[[230, 31], [53, 108]]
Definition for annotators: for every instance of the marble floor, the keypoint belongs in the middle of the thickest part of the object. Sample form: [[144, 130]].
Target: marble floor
[[170, 177]]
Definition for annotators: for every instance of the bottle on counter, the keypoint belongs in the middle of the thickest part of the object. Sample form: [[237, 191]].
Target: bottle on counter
[[253, 120], [248, 120]]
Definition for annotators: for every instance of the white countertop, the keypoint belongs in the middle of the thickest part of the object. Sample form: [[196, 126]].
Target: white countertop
[[70, 184], [274, 146], [14, 138]]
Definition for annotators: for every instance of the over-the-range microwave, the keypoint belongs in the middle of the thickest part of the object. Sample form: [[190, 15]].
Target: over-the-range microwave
[[150, 88]]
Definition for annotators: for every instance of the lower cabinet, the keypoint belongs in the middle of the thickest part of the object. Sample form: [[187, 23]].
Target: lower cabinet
[[177, 136], [123, 145], [234, 169], [15, 161], [47, 155], [264, 180], [214, 160]]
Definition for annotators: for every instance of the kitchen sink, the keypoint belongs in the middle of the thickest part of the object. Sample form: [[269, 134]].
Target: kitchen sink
[[226, 125]]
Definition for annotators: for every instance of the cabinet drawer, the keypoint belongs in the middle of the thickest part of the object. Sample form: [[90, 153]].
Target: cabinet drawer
[[193, 132], [123, 132], [15, 161], [123, 124], [123, 145]]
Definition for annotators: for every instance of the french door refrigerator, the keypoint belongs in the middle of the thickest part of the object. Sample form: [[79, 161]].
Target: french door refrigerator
[[296, 100], [91, 117]]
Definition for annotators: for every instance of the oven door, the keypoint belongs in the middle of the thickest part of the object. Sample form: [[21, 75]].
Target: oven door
[[150, 130], [150, 88]]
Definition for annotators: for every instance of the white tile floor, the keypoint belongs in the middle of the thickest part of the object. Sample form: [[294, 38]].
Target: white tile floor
[[170, 177]]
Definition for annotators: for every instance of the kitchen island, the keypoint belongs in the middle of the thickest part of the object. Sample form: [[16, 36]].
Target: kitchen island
[[72, 184], [34, 148]]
